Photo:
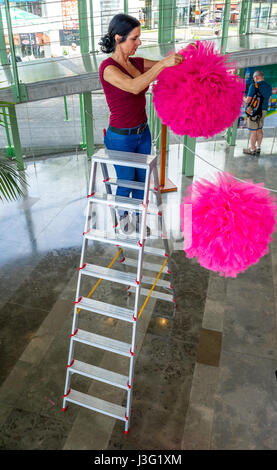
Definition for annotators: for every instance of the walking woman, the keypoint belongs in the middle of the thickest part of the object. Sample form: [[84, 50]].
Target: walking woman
[[125, 81]]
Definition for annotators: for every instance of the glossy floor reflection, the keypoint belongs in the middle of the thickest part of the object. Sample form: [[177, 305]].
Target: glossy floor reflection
[[203, 380]]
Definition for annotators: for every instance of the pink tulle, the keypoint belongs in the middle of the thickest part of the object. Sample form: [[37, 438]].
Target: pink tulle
[[201, 96], [231, 225]]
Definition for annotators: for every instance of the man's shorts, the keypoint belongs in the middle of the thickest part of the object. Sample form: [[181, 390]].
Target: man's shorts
[[255, 125]]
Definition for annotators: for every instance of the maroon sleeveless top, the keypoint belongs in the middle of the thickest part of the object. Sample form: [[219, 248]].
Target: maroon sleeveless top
[[127, 109]]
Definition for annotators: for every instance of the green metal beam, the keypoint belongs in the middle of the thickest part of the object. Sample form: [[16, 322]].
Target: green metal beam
[[88, 123], [167, 16], [19, 93], [269, 14], [243, 12], [148, 14], [188, 151], [83, 144], [166, 33], [225, 26], [16, 138], [259, 16], [3, 51], [126, 7], [189, 155], [85, 99], [151, 115], [232, 131], [158, 130], [13, 58], [83, 26], [18, 89], [245, 16], [65, 108], [249, 12], [92, 44], [9, 147]]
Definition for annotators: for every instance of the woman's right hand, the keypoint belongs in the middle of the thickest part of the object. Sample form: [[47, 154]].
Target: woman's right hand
[[173, 59]]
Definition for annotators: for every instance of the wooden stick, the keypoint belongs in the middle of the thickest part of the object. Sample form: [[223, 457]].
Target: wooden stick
[[163, 154]]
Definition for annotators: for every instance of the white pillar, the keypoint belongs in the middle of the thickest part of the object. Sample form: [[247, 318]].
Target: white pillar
[[97, 23], [54, 14]]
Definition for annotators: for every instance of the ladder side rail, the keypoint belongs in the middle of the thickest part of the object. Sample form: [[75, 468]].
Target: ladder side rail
[[88, 224], [70, 356], [136, 306], [74, 323], [164, 235], [108, 188], [109, 191], [106, 178], [91, 188]]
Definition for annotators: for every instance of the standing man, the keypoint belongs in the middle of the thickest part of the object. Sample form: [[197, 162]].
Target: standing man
[[73, 49], [256, 127]]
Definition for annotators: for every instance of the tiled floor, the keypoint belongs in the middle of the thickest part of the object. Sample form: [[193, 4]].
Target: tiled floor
[[203, 380]]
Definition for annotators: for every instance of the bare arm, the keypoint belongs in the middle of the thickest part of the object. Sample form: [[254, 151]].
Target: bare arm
[[148, 64], [247, 99], [135, 85]]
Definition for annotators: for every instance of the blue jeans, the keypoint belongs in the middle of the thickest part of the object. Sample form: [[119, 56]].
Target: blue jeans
[[136, 143]]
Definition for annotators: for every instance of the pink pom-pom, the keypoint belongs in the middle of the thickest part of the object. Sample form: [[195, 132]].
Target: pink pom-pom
[[231, 223], [201, 96]]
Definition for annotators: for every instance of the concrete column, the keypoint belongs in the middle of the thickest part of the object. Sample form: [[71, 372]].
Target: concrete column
[[225, 26], [167, 15]]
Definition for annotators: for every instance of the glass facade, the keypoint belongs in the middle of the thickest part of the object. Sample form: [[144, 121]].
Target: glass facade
[[264, 15], [48, 32], [48, 28]]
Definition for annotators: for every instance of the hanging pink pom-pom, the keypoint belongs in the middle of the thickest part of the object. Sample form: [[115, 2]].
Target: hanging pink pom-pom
[[231, 223], [201, 96]]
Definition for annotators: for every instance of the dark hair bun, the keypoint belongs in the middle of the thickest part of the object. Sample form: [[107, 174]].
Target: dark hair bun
[[107, 44], [120, 24]]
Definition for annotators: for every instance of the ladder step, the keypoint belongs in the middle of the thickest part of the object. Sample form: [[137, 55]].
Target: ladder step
[[95, 404], [101, 342], [129, 279], [122, 201], [116, 239], [114, 275], [154, 251], [123, 241], [146, 265], [157, 295], [116, 157], [160, 282], [117, 201], [129, 184], [97, 373], [108, 310]]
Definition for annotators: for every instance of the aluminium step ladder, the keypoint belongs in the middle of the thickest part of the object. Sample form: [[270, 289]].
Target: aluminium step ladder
[[133, 281]]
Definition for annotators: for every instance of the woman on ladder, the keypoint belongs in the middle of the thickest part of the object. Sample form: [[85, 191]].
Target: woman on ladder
[[125, 81]]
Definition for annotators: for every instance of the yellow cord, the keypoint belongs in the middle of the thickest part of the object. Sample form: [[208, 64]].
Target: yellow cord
[[146, 300], [99, 280]]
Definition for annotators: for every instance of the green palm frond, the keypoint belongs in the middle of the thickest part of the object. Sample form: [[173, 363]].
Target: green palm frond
[[12, 181]]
